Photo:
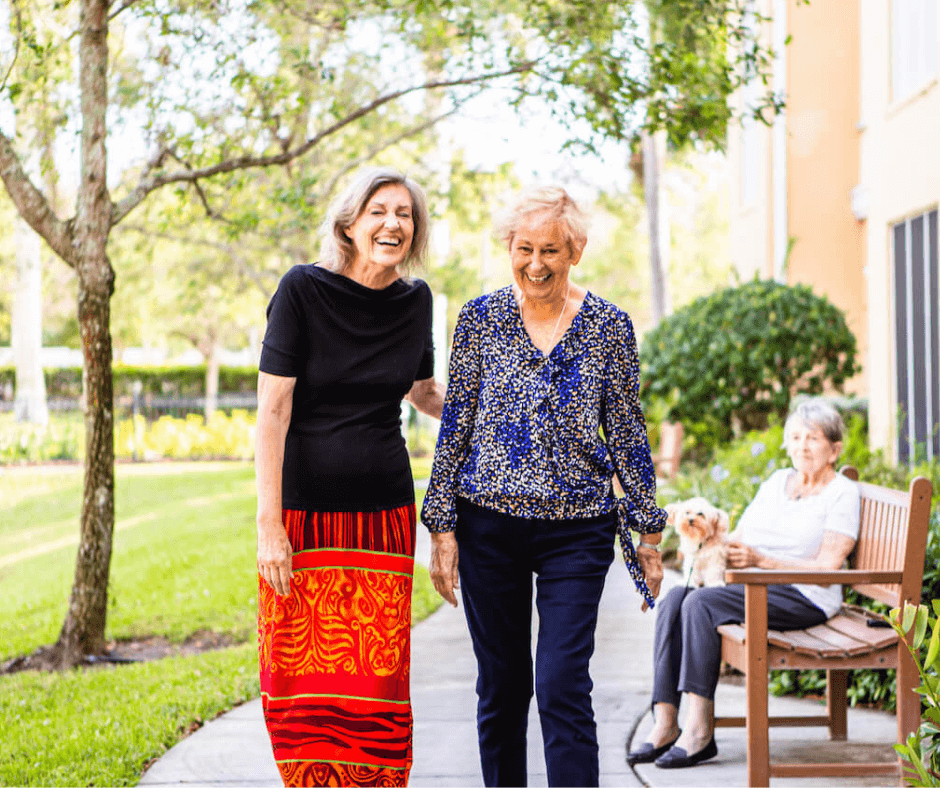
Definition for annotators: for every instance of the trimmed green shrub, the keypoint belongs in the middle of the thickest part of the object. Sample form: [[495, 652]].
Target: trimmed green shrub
[[66, 383], [728, 361]]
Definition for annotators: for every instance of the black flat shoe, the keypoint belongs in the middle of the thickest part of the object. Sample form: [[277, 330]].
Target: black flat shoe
[[677, 758], [647, 753]]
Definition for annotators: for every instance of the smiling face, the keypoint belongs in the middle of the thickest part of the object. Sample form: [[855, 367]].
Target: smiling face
[[541, 258], [383, 232], [810, 450]]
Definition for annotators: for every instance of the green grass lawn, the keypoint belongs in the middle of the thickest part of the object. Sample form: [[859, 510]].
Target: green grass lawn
[[183, 562]]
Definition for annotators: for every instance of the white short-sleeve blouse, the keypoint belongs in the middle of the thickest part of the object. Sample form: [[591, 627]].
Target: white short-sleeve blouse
[[789, 529]]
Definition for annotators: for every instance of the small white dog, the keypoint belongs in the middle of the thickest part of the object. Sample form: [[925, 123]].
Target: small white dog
[[702, 529]]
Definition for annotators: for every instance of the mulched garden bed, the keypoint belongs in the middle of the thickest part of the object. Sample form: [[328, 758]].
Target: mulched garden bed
[[122, 652]]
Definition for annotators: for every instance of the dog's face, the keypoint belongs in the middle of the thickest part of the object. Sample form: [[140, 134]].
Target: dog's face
[[697, 520]]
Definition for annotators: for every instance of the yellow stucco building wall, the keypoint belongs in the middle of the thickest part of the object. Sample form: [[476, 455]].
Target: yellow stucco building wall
[[823, 141], [845, 162]]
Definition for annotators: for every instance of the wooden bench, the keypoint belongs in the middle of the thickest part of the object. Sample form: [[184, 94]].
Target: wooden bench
[[886, 565]]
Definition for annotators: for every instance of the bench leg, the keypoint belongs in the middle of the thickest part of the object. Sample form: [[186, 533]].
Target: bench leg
[[837, 703], [755, 644], [908, 700]]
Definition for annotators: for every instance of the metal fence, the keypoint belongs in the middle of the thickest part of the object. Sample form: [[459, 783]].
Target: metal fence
[[152, 408]]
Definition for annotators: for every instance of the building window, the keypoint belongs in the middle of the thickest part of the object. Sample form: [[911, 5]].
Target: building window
[[915, 45], [917, 338]]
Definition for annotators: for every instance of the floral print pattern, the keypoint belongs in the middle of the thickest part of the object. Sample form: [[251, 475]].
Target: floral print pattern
[[541, 436]]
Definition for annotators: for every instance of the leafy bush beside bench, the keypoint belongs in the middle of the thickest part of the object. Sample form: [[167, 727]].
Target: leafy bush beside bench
[[729, 361]]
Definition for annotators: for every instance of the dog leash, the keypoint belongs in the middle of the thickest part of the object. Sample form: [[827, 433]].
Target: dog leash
[[688, 578]]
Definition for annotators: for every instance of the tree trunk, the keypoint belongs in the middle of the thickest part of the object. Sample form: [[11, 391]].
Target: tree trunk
[[658, 226], [83, 630], [212, 377], [84, 627], [29, 402]]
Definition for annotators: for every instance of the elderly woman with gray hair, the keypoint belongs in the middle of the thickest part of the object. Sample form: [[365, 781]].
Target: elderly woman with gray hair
[[346, 340], [542, 409], [804, 517]]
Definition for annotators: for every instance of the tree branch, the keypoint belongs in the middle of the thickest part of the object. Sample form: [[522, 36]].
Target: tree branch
[[124, 6], [266, 286], [17, 21], [281, 233], [384, 145], [33, 206], [150, 183]]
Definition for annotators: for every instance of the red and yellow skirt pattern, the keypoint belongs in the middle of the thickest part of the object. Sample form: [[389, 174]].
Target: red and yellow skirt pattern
[[335, 655]]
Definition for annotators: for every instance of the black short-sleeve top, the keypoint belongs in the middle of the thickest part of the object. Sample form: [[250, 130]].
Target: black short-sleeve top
[[355, 353]]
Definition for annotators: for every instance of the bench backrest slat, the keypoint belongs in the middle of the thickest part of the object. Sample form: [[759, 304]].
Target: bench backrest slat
[[887, 542]]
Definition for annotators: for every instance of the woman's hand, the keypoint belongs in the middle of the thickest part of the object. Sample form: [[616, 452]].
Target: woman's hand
[[651, 563], [275, 556], [742, 556], [427, 396], [443, 567]]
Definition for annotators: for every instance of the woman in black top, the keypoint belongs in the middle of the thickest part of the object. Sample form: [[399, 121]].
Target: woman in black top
[[347, 340]]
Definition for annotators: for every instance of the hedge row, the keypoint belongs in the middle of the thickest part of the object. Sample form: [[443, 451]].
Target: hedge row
[[66, 383]]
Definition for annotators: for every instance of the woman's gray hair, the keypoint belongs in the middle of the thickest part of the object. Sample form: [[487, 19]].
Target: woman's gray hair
[[817, 414], [338, 248], [560, 207]]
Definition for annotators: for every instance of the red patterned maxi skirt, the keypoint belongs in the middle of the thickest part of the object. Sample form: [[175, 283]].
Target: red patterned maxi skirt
[[335, 655]]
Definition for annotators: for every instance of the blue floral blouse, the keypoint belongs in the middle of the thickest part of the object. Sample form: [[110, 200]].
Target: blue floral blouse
[[521, 431]]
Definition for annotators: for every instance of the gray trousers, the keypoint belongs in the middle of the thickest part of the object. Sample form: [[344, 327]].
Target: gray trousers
[[687, 646]]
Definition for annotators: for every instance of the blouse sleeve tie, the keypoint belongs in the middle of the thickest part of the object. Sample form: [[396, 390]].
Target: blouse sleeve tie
[[626, 520]]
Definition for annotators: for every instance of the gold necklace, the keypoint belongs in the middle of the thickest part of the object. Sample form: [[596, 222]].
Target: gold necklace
[[564, 306]]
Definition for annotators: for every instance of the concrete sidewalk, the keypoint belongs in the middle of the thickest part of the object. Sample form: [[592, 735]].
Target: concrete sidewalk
[[233, 750]]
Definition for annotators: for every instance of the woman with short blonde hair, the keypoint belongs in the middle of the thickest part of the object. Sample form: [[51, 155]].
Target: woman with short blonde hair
[[542, 409], [554, 204]]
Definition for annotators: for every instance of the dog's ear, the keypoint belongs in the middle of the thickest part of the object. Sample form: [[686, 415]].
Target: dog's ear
[[722, 523], [671, 509]]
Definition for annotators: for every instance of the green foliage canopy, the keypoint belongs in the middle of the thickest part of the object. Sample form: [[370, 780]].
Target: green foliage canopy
[[212, 91], [737, 356]]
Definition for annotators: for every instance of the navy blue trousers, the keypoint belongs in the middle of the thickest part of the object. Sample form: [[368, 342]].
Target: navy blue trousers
[[498, 556], [687, 646]]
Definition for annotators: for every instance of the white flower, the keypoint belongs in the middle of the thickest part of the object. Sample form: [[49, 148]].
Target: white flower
[[757, 449]]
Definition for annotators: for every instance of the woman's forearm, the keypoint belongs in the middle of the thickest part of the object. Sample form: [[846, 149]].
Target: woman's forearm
[[269, 463], [625, 433], [457, 418], [275, 400], [817, 563], [833, 551]]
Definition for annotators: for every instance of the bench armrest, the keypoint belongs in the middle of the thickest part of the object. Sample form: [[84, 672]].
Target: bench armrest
[[766, 577]]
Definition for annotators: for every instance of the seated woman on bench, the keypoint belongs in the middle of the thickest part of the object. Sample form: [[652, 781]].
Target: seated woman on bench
[[804, 517]]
